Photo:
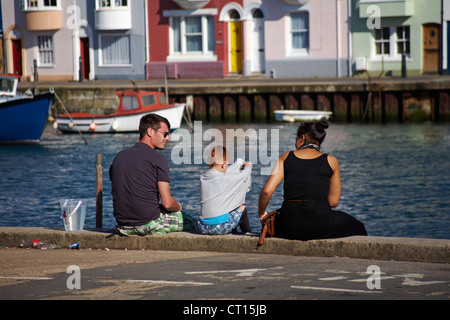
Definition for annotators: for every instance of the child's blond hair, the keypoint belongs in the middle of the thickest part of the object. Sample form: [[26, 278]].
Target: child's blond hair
[[218, 155]]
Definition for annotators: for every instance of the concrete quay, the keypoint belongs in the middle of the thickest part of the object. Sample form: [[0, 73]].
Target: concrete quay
[[376, 248], [239, 85]]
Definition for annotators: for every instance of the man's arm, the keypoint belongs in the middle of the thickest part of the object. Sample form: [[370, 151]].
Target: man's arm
[[167, 201]]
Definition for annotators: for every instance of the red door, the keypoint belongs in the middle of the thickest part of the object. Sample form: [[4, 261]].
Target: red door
[[17, 56], [84, 49]]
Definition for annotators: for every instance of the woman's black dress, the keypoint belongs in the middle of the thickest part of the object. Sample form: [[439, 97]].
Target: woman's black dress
[[306, 213]]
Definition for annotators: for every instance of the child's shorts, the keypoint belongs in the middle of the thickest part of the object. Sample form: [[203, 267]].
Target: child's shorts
[[236, 217]]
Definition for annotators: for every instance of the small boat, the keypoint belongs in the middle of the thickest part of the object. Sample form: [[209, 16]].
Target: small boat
[[133, 105], [23, 117], [301, 115]]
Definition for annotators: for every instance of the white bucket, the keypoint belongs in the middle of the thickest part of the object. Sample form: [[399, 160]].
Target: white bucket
[[73, 213]]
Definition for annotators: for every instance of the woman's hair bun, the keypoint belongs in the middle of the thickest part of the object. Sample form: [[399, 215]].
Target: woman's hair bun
[[322, 125]]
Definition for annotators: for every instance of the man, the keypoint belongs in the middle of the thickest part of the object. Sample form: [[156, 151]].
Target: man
[[140, 180]]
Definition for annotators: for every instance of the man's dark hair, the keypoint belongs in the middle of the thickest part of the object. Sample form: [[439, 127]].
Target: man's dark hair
[[151, 120]]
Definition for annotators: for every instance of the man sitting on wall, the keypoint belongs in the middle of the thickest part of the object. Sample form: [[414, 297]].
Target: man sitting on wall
[[140, 179]]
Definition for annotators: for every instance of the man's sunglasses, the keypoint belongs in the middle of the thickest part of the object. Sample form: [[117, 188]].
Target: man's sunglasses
[[166, 134]]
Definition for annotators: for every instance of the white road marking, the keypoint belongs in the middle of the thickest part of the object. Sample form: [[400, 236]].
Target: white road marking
[[410, 280], [188, 283], [333, 278], [410, 275], [365, 279], [416, 283], [336, 271], [334, 289], [27, 278], [240, 273]]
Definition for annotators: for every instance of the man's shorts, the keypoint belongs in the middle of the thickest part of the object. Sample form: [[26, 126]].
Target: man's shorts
[[236, 217], [166, 223]]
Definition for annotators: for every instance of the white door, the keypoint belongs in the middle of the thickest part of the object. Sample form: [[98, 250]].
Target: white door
[[258, 52]]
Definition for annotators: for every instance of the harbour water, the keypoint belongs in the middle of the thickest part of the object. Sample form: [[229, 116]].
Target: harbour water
[[395, 178]]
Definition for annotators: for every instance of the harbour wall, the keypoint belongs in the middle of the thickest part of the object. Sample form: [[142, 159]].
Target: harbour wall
[[379, 248], [352, 100]]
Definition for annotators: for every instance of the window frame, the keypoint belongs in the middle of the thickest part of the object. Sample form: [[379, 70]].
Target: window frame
[[101, 50], [179, 51], [41, 51], [298, 52], [393, 42], [145, 102], [404, 40], [111, 4], [39, 5], [134, 100]]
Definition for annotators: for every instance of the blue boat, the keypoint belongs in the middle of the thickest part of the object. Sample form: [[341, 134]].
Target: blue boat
[[22, 117]]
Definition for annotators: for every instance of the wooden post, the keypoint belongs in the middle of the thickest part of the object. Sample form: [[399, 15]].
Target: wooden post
[[99, 194]]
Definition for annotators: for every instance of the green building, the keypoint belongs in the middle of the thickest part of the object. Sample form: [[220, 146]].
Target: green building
[[385, 32]]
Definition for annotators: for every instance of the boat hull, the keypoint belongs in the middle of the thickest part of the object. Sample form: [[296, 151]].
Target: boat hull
[[117, 123], [22, 121], [301, 115]]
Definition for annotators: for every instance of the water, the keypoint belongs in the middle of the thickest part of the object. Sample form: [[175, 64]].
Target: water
[[395, 178]]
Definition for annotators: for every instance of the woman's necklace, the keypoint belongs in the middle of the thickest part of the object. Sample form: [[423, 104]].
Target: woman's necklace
[[309, 145]]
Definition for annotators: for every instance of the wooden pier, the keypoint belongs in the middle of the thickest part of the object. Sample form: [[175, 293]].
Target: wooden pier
[[350, 102]]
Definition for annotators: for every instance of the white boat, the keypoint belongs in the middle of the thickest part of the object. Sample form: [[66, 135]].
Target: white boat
[[301, 115], [133, 105]]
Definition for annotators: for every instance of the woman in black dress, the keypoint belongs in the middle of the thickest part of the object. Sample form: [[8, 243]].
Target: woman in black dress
[[312, 186]]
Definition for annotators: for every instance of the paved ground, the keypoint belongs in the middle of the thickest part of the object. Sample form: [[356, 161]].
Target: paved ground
[[187, 276]]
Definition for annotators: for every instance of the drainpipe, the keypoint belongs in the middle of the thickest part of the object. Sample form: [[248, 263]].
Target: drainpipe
[[76, 47], [76, 53], [444, 63], [147, 40], [349, 34], [338, 40]]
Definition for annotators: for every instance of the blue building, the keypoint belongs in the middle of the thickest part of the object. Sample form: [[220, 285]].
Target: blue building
[[119, 37]]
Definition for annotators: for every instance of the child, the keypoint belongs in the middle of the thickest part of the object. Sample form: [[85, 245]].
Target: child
[[222, 194]]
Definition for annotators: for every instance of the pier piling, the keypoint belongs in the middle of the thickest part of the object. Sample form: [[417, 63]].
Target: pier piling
[[99, 193]]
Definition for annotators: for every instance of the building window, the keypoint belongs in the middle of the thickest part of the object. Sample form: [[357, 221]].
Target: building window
[[41, 4], [46, 54], [109, 4], [299, 31], [115, 50], [50, 3], [392, 42], [257, 14], [192, 35], [382, 37], [32, 4], [403, 40]]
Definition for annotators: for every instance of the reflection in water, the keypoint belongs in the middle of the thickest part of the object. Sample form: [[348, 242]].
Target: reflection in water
[[395, 178]]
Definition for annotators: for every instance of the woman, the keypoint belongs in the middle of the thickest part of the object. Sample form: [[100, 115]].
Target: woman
[[312, 186]]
